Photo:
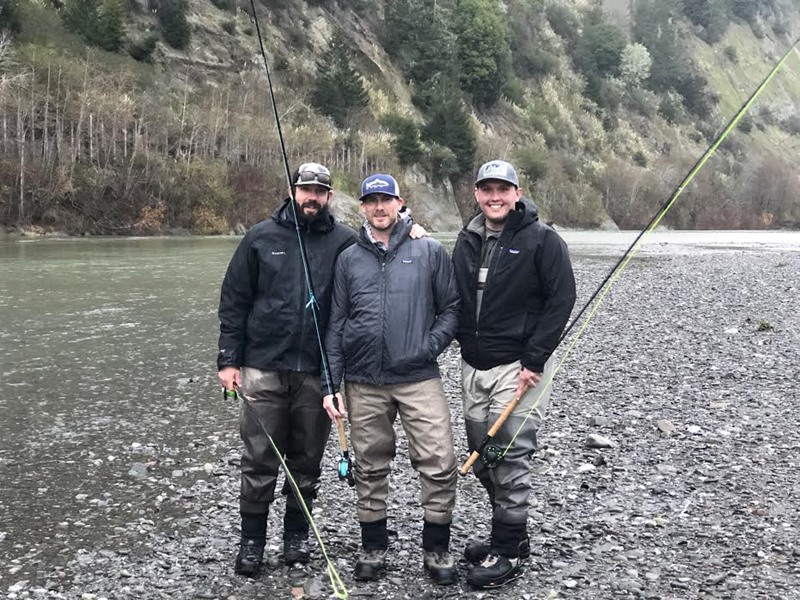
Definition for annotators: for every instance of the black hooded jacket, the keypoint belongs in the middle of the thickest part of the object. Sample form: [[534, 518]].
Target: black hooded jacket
[[264, 320], [528, 297]]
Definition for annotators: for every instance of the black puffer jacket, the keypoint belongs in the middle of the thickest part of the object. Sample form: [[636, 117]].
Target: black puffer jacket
[[264, 321], [529, 293], [393, 313]]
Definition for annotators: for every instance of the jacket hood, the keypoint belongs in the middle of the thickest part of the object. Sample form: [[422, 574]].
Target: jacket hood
[[284, 216]]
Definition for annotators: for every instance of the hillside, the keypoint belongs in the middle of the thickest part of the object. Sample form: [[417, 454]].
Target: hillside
[[147, 116]]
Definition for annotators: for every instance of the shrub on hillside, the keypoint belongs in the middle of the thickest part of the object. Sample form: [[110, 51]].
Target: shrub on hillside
[[532, 161], [142, 49], [405, 143]]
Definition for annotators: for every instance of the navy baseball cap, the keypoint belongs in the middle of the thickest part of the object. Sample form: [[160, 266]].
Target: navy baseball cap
[[380, 183], [498, 169]]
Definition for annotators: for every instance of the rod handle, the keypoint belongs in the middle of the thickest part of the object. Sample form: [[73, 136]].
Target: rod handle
[[494, 429]]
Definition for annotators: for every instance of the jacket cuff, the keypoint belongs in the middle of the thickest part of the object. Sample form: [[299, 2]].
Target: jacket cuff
[[534, 363], [227, 358]]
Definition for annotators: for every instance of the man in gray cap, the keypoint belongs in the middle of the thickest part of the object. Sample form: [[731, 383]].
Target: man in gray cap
[[268, 347], [517, 289]]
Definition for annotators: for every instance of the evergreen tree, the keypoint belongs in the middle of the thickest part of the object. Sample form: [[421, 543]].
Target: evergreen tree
[[448, 123], [9, 16], [483, 51], [406, 144], [81, 16], [174, 26], [338, 89], [417, 35], [111, 25], [599, 49]]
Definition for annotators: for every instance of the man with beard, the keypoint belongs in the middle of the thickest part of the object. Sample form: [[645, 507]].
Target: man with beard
[[268, 346], [517, 287], [394, 310]]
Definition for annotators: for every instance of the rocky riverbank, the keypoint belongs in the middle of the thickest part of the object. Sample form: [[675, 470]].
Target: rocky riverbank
[[689, 370]]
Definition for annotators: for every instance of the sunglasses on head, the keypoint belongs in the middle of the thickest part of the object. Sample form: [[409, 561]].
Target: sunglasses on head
[[311, 176]]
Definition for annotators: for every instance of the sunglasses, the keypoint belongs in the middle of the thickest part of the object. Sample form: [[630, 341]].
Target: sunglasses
[[312, 177]]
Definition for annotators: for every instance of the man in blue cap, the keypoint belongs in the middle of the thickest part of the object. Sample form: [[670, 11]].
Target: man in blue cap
[[394, 310], [516, 284]]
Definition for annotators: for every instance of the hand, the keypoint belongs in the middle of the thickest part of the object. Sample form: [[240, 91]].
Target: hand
[[230, 377], [334, 406], [417, 231], [527, 380]]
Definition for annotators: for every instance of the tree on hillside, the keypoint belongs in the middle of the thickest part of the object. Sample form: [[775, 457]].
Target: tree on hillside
[[655, 27], [9, 16], [448, 123], [483, 52], [634, 66], [338, 89], [101, 23], [712, 15], [417, 34], [599, 49], [174, 26], [111, 25], [80, 16]]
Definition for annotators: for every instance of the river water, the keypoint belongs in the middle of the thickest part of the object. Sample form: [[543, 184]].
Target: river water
[[107, 353]]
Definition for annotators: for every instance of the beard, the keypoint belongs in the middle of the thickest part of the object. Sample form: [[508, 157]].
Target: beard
[[321, 211]]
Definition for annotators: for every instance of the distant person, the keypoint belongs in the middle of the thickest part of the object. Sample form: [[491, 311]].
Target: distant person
[[517, 288], [395, 309], [268, 346]]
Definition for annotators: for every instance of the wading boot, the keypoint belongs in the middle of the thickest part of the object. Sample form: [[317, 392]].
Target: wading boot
[[436, 557], [251, 547], [295, 532], [494, 571], [295, 547], [371, 564], [440, 566], [476, 551], [250, 558]]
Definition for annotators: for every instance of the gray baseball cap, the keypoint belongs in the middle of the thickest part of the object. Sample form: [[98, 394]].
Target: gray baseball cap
[[498, 169]]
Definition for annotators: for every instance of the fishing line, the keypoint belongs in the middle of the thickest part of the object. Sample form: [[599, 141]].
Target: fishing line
[[339, 589], [605, 286]]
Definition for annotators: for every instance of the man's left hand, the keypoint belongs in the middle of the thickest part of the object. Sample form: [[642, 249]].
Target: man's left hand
[[528, 379]]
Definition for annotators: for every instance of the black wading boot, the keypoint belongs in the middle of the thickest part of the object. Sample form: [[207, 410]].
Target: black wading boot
[[436, 557], [476, 551], [495, 571], [371, 564], [502, 564], [295, 535], [250, 557]]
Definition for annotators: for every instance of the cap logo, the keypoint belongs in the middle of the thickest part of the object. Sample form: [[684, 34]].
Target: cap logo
[[495, 169], [377, 183]]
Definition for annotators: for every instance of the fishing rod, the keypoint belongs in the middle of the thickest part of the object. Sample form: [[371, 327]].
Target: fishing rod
[[489, 453], [345, 466]]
